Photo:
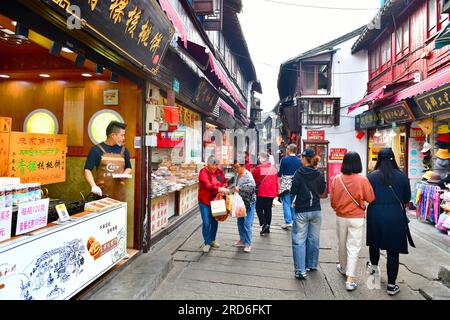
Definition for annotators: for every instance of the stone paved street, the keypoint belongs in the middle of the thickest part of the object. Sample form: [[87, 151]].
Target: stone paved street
[[267, 272]]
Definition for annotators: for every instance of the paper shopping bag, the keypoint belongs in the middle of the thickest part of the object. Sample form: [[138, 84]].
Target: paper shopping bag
[[218, 207]]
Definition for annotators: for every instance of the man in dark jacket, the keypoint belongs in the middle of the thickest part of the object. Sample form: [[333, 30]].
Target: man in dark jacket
[[308, 185]]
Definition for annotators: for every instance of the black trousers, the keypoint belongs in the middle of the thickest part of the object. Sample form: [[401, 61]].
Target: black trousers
[[393, 262], [264, 210]]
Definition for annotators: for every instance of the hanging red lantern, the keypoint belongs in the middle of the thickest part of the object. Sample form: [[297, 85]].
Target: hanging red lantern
[[360, 135]]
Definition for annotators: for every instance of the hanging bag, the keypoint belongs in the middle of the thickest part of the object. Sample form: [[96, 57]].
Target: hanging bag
[[239, 210], [408, 232], [218, 206]]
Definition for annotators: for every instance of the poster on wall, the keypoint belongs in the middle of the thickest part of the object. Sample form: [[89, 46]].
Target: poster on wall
[[159, 213], [58, 263], [337, 153], [36, 157], [415, 145], [334, 170]]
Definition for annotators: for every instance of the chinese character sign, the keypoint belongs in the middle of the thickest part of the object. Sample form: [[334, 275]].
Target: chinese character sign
[[434, 102], [337, 153], [32, 215], [316, 135], [138, 30], [35, 157], [5, 223]]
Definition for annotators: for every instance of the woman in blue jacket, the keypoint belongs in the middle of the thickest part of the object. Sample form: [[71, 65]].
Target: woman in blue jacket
[[387, 226]]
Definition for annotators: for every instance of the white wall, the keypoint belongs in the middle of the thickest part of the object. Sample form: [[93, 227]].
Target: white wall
[[349, 82]]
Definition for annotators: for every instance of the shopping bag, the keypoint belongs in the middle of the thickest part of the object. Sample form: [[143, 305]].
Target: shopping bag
[[218, 206], [239, 210], [229, 203]]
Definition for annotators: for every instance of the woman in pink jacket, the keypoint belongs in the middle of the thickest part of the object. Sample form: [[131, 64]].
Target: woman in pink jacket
[[267, 189]]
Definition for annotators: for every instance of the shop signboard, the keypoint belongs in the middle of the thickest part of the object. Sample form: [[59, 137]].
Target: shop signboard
[[205, 96], [31, 216], [36, 157], [176, 85], [138, 30], [5, 130], [434, 102], [5, 223], [318, 135], [60, 261], [398, 112], [368, 119], [337, 153]]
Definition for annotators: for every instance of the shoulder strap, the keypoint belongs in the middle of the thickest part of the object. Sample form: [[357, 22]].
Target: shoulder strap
[[354, 200], [257, 186], [396, 197], [101, 148]]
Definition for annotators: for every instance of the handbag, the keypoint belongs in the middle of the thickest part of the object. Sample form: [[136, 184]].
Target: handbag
[[218, 206], [408, 232], [349, 194]]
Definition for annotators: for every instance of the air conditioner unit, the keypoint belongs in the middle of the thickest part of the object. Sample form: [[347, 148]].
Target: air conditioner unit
[[320, 107]]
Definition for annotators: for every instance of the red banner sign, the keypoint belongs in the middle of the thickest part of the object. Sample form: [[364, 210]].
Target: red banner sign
[[337, 153], [316, 135]]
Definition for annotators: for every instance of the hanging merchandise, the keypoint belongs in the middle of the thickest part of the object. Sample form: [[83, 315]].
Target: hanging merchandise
[[426, 125], [427, 201], [444, 138], [426, 148], [443, 154], [443, 129]]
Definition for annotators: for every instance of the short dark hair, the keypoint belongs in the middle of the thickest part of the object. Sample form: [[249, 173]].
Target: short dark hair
[[351, 163], [114, 127]]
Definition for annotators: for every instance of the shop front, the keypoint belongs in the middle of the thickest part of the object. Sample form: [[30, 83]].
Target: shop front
[[60, 88], [431, 196], [387, 127]]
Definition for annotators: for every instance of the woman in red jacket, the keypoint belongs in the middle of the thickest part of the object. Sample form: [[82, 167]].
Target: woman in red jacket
[[267, 188], [211, 181]]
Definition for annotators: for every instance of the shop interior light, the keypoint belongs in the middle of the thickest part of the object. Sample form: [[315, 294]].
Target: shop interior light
[[14, 23], [21, 31], [377, 133], [44, 75], [392, 133], [67, 50], [4, 76], [86, 75], [7, 31]]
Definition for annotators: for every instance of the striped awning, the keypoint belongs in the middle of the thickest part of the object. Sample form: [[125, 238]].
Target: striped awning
[[443, 38]]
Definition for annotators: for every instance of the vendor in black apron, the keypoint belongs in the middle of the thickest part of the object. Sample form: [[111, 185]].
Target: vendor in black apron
[[109, 157]]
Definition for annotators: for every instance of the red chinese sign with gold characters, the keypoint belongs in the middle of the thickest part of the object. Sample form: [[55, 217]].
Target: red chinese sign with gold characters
[[318, 135], [35, 157], [337, 153], [5, 130]]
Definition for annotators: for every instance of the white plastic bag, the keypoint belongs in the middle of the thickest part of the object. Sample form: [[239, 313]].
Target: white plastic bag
[[239, 210]]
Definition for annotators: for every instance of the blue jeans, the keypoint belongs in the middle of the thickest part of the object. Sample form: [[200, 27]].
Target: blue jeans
[[288, 211], [209, 227], [245, 225], [305, 240]]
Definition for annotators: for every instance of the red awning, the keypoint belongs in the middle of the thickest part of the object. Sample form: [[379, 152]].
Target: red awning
[[377, 94], [196, 52], [419, 88], [176, 20], [225, 106]]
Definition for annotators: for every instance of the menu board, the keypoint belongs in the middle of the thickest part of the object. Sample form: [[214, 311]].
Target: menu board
[[36, 157]]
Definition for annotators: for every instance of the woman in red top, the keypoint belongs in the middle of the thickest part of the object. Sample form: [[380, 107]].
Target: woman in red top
[[211, 181], [267, 188]]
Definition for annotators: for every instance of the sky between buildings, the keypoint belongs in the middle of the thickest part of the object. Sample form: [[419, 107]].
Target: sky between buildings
[[277, 30]]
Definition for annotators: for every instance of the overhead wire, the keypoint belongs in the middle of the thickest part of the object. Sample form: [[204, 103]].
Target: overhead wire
[[320, 7]]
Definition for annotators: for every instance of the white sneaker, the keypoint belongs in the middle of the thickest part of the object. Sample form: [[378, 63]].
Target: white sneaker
[[206, 248], [215, 244], [286, 226]]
